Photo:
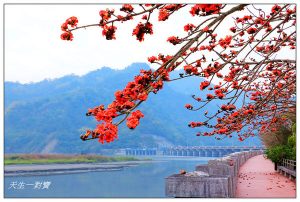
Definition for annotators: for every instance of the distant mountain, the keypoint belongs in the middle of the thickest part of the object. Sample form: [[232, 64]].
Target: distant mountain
[[49, 116]]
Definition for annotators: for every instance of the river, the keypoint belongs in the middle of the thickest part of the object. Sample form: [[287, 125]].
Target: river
[[144, 180]]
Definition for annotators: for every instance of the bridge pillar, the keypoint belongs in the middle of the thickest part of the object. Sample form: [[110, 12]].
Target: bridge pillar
[[222, 152], [202, 153], [215, 153], [195, 153], [190, 152], [209, 153]]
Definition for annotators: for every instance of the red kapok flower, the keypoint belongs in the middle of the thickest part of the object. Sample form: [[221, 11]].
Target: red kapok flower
[[233, 29], [142, 29], [109, 32], [133, 119], [152, 59], [188, 106], [72, 21], [67, 36], [205, 9], [174, 40], [205, 29], [251, 30], [204, 84], [127, 8], [275, 8], [189, 27], [105, 14], [163, 15], [209, 96], [189, 69], [107, 132], [64, 26]]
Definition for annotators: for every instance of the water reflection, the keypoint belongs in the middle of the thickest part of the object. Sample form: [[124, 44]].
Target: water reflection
[[145, 180]]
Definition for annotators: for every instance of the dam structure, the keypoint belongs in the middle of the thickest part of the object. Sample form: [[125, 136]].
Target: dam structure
[[197, 151]]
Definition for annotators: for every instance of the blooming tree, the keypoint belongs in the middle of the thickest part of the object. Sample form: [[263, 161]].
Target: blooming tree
[[254, 64]]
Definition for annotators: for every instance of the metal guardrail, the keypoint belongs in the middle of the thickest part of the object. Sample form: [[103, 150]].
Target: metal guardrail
[[288, 166]]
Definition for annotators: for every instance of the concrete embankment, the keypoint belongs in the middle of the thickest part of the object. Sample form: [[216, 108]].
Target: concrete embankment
[[216, 179], [50, 169]]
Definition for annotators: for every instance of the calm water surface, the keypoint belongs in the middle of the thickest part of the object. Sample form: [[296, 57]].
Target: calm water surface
[[145, 180]]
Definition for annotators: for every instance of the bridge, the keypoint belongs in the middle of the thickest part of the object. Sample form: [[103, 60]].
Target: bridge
[[141, 151], [200, 151]]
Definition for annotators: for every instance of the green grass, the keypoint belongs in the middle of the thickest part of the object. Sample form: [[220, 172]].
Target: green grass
[[13, 159]]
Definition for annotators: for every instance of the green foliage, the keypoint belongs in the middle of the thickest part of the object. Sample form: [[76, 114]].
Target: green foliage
[[48, 159], [292, 141], [277, 153], [286, 149]]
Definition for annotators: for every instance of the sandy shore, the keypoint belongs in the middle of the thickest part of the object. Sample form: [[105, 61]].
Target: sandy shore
[[50, 169]]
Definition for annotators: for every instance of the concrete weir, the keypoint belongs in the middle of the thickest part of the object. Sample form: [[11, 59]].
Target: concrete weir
[[216, 179]]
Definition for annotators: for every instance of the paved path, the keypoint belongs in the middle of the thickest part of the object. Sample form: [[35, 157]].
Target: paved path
[[258, 179]]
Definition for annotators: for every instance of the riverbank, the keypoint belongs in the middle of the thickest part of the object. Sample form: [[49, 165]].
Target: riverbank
[[66, 168], [16, 159], [258, 179]]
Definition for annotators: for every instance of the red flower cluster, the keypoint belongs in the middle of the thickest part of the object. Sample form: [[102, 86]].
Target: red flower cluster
[[190, 69], [222, 131], [152, 59], [67, 35], [172, 7], [275, 9], [188, 106], [251, 30], [204, 84], [127, 8], [195, 124], [233, 29], [105, 14], [209, 96], [142, 29], [72, 21], [219, 93], [205, 9], [174, 40], [205, 29], [108, 132], [124, 101], [109, 32], [228, 107], [163, 15], [189, 27], [244, 19], [166, 11], [224, 43], [134, 119]]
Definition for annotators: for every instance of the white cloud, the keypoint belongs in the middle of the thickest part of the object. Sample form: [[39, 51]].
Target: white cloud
[[34, 50]]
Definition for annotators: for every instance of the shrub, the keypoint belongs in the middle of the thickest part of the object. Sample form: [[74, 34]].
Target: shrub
[[277, 153]]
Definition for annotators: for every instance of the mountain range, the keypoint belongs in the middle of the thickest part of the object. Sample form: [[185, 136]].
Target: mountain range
[[49, 116]]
